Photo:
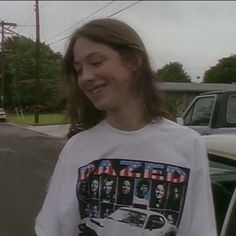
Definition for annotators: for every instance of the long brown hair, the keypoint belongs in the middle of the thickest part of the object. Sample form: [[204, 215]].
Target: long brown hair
[[122, 38]]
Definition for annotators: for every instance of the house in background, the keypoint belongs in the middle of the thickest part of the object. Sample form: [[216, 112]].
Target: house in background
[[179, 95]]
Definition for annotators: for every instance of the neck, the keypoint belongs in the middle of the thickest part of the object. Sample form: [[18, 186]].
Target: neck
[[128, 119]]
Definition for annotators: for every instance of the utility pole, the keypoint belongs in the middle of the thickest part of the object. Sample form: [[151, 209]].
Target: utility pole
[[5, 29], [36, 113]]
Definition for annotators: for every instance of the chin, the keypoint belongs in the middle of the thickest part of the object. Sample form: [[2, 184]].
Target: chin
[[100, 107]]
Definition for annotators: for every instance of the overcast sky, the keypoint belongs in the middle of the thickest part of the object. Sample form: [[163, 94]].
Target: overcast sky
[[195, 33]]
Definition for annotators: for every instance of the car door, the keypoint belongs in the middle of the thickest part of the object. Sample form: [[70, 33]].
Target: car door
[[229, 226], [223, 179]]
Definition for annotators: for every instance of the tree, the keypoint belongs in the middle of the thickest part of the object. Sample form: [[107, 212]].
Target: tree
[[223, 72], [172, 72], [20, 73]]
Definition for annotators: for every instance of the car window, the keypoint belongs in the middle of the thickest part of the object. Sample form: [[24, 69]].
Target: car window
[[219, 164], [200, 113], [155, 222], [219, 167], [231, 111], [133, 218]]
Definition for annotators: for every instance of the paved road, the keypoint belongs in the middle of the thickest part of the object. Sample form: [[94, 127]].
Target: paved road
[[52, 130], [27, 160]]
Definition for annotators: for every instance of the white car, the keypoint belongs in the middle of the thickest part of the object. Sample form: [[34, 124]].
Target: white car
[[3, 115], [221, 150], [130, 221]]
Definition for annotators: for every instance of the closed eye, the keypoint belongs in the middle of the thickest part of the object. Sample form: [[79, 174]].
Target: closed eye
[[78, 72], [96, 63]]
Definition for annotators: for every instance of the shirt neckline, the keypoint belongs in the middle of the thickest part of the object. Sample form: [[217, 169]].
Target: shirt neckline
[[107, 124]]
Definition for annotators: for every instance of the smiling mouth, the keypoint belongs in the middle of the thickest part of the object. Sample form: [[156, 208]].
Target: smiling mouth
[[96, 89]]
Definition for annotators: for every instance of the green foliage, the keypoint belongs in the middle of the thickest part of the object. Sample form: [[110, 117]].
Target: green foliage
[[172, 72], [223, 72], [20, 73]]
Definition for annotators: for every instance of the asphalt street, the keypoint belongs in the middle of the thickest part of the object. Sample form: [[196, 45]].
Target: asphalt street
[[27, 162], [60, 131]]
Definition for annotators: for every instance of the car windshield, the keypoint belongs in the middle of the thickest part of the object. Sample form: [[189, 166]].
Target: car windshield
[[133, 218]]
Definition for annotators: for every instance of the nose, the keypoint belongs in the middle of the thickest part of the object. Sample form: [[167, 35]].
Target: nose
[[86, 76]]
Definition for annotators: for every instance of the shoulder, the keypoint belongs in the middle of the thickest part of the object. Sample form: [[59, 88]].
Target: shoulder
[[171, 128], [81, 140], [179, 136], [86, 135]]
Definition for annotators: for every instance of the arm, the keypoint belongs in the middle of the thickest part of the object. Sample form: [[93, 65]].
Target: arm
[[58, 216], [199, 216]]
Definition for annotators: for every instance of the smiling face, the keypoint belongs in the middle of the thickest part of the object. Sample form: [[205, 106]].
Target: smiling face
[[160, 191], [126, 187], [108, 187], [94, 185], [102, 75]]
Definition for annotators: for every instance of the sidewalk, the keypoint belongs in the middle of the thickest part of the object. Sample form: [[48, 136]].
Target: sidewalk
[[52, 130]]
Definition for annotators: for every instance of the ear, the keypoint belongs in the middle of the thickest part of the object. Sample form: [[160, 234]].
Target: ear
[[136, 62]]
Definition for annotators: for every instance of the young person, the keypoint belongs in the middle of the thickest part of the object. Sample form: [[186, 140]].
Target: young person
[[114, 98], [125, 192], [142, 189]]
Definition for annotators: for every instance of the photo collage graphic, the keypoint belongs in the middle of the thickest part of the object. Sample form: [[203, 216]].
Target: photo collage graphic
[[105, 185]]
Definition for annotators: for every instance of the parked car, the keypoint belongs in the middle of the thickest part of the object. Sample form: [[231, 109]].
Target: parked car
[[130, 221], [221, 150], [3, 116], [211, 113]]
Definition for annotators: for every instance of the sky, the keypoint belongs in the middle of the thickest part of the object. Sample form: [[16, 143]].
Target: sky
[[197, 34]]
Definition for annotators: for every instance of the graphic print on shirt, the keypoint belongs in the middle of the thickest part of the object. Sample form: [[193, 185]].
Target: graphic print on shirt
[[145, 198]]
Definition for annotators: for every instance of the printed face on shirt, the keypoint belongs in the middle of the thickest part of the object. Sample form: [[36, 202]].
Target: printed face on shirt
[[170, 219], [126, 187], [143, 189], [102, 75], [160, 191], [108, 187], [94, 186], [175, 193]]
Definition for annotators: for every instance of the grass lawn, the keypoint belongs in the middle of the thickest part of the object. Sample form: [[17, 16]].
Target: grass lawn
[[44, 119]]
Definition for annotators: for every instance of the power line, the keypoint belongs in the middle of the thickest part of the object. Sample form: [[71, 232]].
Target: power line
[[46, 4], [25, 25], [100, 9], [123, 9], [5, 26], [26, 10], [14, 32], [90, 15], [29, 17]]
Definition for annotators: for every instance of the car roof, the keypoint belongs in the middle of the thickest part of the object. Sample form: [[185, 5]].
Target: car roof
[[219, 92], [149, 212], [221, 145]]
